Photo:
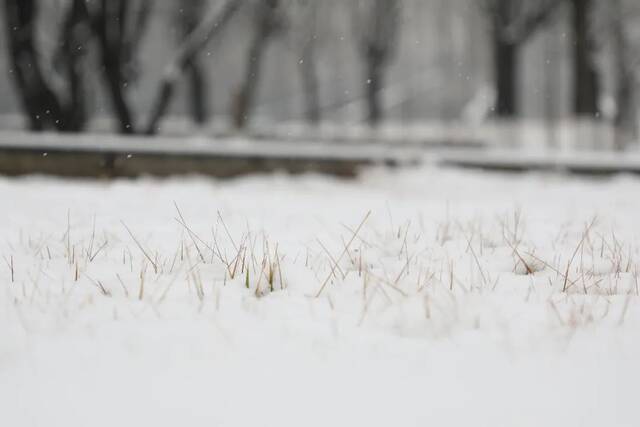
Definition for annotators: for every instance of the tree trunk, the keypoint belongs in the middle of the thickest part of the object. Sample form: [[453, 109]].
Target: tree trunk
[[586, 84], [247, 92], [626, 118], [309, 79], [373, 86], [75, 34], [40, 104], [111, 25], [377, 23], [198, 91], [264, 29], [116, 84], [506, 78], [210, 26], [190, 15], [626, 125]]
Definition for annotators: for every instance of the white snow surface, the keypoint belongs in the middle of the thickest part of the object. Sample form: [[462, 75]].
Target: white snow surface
[[428, 317]]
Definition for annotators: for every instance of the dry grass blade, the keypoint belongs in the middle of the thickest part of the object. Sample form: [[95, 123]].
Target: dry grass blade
[[625, 308], [191, 234], [384, 281], [555, 270], [9, 263], [124, 288], [585, 235], [517, 254], [346, 249], [97, 252], [331, 258], [226, 230], [477, 261], [99, 285], [144, 252]]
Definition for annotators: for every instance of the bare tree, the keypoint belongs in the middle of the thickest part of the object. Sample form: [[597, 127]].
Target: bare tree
[[189, 15], [626, 61], [119, 26], [71, 60], [213, 22], [377, 26], [303, 31], [43, 106], [267, 22], [586, 81], [512, 24]]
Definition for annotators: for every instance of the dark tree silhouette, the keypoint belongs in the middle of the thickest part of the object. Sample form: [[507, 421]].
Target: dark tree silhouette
[[627, 60], [189, 15], [267, 22], [119, 26], [303, 31], [512, 24], [43, 106], [586, 85], [71, 60], [211, 25], [377, 26]]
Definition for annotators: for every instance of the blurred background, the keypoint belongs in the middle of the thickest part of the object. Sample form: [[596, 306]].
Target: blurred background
[[550, 74]]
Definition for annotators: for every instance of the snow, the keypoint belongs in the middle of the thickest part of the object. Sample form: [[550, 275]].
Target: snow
[[430, 317]]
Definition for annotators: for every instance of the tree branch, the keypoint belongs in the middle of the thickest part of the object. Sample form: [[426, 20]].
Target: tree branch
[[211, 25]]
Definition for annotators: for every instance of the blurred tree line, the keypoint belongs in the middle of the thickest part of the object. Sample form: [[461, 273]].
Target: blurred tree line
[[105, 38]]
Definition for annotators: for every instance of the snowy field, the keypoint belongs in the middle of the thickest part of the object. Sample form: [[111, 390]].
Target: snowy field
[[408, 298]]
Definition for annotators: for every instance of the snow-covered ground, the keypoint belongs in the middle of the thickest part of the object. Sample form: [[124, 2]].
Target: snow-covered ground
[[417, 297]]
